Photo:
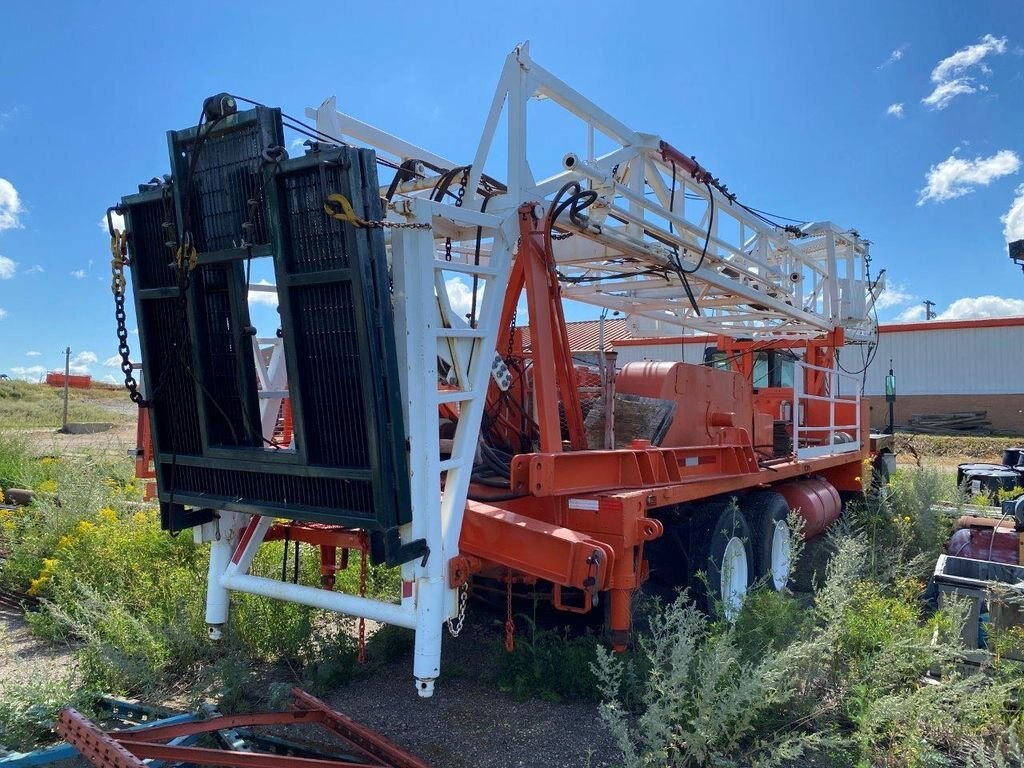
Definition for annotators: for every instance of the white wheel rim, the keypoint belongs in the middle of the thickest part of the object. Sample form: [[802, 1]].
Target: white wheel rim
[[780, 554], [734, 577]]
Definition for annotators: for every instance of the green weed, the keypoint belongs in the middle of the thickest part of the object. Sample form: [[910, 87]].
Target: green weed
[[550, 664]]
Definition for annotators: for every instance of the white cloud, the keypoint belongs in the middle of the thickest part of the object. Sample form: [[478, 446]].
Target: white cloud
[[946, 92], [116, 218], [30, 373], [953, 75], [955, 177], [967, 308], [78, 274], [114, 361], [975, 307], [910, 315], [8, 115], [3, 314], [268, 298], [895, 56], [79, 364], [460, 295], [35, 268], [33, 353], [7, 268], [896, 110], [894, 296], [1013, 219], [958, 63], [10, 206]]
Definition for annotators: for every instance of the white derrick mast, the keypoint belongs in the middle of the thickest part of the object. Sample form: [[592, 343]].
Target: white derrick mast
[[645, 234]]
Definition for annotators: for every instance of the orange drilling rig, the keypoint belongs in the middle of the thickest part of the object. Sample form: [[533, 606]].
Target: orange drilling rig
[[332, 356]]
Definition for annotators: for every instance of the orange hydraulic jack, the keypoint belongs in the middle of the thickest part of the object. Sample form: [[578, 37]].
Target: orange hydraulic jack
[[541, 532]]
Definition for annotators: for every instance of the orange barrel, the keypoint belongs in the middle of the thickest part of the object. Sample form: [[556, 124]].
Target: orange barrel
[[815, 500]]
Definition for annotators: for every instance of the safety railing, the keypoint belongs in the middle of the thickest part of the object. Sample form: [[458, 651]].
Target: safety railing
[[811, 440]]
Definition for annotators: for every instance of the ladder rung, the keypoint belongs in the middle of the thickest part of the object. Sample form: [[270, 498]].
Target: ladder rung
[[268, 394], [455, 395], [451, 464], [461, 266], [461, 333]]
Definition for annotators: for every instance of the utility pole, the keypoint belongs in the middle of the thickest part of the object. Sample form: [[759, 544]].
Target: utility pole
[[67, 375], [928, 313]]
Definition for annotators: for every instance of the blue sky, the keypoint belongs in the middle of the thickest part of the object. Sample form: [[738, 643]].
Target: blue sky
[[790, 103]]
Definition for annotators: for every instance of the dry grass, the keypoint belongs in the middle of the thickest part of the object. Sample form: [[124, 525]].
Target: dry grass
[[950, 450], [24, 405]]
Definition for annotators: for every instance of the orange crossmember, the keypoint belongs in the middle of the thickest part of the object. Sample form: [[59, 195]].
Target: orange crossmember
[[556, 474], [544, 550]]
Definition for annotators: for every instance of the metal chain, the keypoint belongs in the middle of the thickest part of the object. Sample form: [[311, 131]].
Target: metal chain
[[362, 593], [118, 261], [511, 335], [459, 196], [510, 625], [454, 628], [338, 207]]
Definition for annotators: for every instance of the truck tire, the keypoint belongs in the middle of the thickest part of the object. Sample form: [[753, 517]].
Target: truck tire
[[812, 566], [767, 513], [879, 489], [668, 558], [722, 552]]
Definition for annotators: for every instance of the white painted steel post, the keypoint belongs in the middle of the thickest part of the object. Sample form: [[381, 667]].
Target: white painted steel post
[[222, 534], [833, 385], [413, 274], [798, 387]]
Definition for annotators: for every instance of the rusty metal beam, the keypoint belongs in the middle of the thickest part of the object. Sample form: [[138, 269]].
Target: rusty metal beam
[[128, 749]]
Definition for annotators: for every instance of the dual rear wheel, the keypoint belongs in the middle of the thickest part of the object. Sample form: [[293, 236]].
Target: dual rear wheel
[[721, 547]]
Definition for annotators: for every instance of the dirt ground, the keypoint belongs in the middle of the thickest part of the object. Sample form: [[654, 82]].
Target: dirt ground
[[23, 656], [468, 723], [117, 441]]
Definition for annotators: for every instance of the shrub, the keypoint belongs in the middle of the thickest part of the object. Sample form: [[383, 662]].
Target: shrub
[[550, 664], [865, 677], [29, 708], [132, 597], [904, 529], [701, 703]]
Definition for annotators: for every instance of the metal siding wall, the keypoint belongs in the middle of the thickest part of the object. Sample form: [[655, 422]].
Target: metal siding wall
[[962, 361]]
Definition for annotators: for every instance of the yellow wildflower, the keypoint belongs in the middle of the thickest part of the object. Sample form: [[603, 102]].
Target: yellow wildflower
[[86, 526], [107, 515]]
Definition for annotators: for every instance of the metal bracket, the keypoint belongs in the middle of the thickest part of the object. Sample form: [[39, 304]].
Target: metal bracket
[[390, 550]]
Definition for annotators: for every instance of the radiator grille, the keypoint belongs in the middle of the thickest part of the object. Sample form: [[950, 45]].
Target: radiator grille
[[348, 464], [151, 259], [224, 168]]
